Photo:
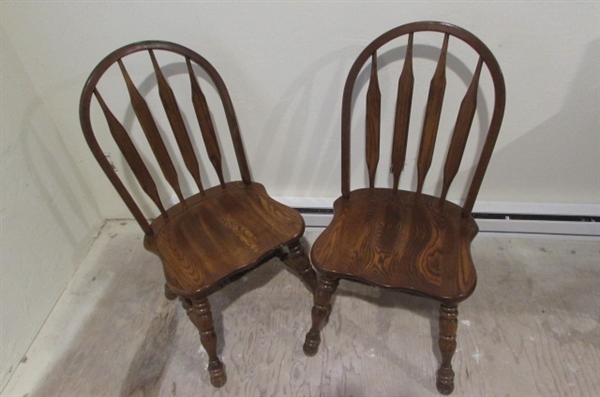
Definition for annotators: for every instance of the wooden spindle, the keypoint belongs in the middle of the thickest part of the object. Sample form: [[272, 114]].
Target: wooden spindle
[[131, 154], [177, 125], [373, 120], [464, 121], [205, 122], [198, 310], [448, 321], [403, 107], [437, 89], [144, 116]]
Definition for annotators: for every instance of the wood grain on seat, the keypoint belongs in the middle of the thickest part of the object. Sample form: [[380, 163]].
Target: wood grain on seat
[[190, 242], [394, 240]]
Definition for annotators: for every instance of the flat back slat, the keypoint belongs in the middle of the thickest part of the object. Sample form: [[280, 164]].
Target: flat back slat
[[433, 110], [462, 128], [144, 116], [131, 154], [205, 122], [373, 121], [177, 125], [402, 119], [437, 89], [107, 167]]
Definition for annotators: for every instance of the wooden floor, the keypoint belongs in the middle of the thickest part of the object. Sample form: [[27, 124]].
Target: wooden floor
[[530, 329]]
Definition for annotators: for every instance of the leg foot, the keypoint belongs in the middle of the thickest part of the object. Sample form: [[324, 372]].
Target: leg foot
[[321, 309], [169, 294], [198, 310], [298, 261], [447, 344]]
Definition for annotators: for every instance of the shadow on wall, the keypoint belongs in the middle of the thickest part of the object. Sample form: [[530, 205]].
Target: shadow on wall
[[300, 159], [522, 170], [56, 176], [570, 172]]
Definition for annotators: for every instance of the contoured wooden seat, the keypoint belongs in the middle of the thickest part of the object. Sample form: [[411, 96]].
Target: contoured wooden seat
[[210, 235], [401, 239], [241, 226]]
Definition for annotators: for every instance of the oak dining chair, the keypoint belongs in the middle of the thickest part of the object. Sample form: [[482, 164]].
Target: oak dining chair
[[407, 239], [206, 230]]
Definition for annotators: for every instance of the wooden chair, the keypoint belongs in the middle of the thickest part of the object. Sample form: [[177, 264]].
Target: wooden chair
[[211, 235], [408, 240]]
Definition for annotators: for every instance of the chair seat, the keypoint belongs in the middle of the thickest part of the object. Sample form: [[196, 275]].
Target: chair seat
[[206, 240], [396, 240]]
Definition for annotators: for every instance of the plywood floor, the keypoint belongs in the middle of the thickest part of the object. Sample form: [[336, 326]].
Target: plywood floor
[[530, 329]]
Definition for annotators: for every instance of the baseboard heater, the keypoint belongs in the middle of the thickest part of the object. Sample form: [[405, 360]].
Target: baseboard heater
[[568, 220]]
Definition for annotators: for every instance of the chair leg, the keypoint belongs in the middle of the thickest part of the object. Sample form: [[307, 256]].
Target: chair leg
[[447, 344], [169, 294], [321, 309], [298, 261], [198, 310]]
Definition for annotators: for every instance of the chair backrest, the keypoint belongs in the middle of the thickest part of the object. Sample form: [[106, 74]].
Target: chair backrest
[[155, 137], [433, 110]]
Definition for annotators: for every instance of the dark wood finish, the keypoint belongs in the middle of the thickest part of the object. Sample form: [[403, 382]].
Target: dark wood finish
[[402, 119], [205, 123], [447, 344], [176, 121], [408, 241], [131, 154], [297, 260], [170, 295], [437, 89], [321, 309], [220, 234], [143, 114], [396, 240], [373, 122], [198, 310], [215, 235], [461, 132]]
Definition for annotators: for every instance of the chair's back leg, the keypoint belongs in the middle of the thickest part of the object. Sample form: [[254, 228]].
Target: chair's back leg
[[321, 309], [198, 310], [298, 261], [447, 344], [169, 294]]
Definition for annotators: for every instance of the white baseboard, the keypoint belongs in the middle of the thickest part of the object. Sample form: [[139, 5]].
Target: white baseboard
[[551, 219]]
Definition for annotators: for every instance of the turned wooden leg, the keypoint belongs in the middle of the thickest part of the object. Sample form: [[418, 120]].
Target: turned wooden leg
[[447, 343], [169, 294], [321, 309], [198, 310], [298, 261]]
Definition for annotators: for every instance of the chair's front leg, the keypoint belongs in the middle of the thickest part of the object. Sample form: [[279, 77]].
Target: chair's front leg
[[447, 344], [198, 310], [298, 261], [321, 309]]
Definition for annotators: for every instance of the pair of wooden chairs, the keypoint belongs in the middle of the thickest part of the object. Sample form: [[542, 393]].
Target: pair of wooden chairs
[[387, 237]]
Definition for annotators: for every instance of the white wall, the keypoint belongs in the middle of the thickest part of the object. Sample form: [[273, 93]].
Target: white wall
[[285, 64], [48, 218]]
